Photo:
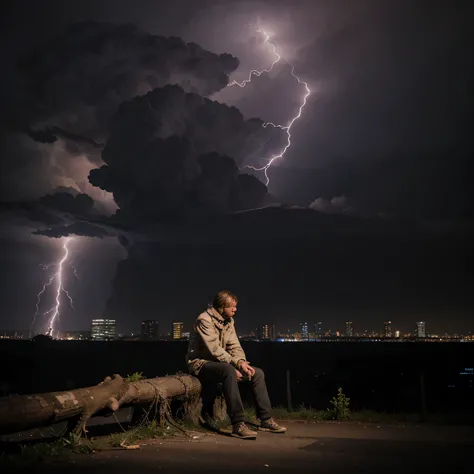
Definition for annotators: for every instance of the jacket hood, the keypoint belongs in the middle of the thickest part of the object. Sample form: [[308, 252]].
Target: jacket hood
[[211, 311]]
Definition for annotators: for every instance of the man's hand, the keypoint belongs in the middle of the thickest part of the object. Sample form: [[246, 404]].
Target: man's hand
[[239, 375], [246, 369]]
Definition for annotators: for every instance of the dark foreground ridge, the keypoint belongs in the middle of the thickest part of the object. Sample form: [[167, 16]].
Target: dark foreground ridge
[[316, 447]]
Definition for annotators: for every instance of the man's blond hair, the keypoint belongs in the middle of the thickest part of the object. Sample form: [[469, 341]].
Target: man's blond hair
[[223, 299]]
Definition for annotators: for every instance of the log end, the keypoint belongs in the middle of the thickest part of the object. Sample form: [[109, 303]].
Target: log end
[[113, 404]]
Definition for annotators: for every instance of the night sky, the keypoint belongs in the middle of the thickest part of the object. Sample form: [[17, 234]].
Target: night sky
[[119, 131]]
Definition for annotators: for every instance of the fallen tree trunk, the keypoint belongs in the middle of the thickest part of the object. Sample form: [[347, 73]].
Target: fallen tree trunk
[[24, 412]]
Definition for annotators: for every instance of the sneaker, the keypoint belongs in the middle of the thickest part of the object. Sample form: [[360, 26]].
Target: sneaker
[[208, 423], [272, 426], [241, 430]]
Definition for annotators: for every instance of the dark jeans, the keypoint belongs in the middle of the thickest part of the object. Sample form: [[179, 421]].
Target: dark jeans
[[212, 373]]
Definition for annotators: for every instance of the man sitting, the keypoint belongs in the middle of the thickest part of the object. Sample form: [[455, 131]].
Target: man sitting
[[216, 356]]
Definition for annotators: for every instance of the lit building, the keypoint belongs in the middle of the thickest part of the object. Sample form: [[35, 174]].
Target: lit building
[[103, 329], [420, 329], [349, 329], [304, 331], [178, 330], [387, 329], [149, 330], [318, 329], [266, 332], [397, 334]]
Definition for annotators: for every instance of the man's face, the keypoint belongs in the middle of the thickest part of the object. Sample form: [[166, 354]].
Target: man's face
[[230, 309]]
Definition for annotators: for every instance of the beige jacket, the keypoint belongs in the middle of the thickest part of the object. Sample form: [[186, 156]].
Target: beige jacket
[[213, 339]]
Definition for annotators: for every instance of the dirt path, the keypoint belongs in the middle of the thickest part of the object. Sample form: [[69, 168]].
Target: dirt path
[[316, 447]]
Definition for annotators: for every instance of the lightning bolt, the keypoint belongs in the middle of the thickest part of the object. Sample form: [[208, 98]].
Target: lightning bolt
[[58, 279], [256, 72], [287, 128]]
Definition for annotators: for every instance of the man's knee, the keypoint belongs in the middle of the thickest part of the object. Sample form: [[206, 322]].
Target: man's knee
[[227, 371]]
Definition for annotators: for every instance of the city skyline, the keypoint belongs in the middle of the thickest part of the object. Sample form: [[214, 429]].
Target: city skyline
[[106, 329], [344, 329], [108, 333]]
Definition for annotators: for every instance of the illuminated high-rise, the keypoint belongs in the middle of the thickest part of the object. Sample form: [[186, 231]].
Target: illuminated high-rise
[[420, 329], [149, 329], [103, 329], [304, 331], [387, 328], [318, 329], [266, 332], [178, 327], [349, 329]]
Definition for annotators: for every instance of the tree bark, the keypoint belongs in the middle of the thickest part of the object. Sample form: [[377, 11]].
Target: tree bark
[[24, 412]]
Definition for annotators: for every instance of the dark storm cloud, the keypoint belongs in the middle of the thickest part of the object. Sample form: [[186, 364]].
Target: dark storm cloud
[[63, 212], [72, 85], [50, 135], [69, 87], [171, 152], [336, 205], [63, 201], [208, 126], [77, 80], [79, 229], [28, 214]]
